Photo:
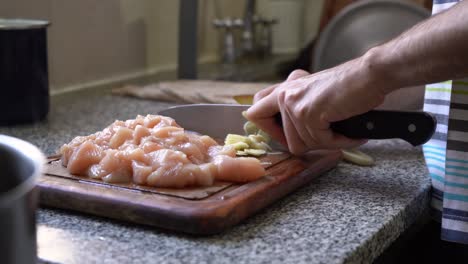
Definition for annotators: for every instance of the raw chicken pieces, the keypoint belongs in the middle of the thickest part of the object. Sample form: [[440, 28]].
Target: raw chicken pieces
[[154, 150]]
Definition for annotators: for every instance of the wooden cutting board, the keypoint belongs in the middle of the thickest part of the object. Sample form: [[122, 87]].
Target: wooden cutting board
[[204, 210]]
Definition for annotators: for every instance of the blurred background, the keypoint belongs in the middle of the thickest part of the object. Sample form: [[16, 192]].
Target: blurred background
[[108, 42]]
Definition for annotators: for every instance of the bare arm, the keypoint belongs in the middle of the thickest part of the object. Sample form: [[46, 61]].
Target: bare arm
[[409, 98], [434, 50]]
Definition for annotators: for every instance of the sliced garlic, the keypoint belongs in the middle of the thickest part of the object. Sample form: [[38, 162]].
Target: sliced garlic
[[250, 128], [357, 157], [240, 145], [234, 138], [241, 153], [255, 143], [255, 152]]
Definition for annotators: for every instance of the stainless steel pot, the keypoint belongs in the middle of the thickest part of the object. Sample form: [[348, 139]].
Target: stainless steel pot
[[20, 166], [24, 82]]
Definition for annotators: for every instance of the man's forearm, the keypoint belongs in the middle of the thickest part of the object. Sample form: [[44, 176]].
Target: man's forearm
[[433, 50], [410, 98]]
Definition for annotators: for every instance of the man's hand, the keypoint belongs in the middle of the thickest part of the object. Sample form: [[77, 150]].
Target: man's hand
[[309, 103], [432, 51]]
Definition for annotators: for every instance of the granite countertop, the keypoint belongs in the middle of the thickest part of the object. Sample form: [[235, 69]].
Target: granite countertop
[[348, 215]]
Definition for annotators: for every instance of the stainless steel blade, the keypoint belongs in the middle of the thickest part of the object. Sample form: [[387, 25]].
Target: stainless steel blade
[[215, 120]]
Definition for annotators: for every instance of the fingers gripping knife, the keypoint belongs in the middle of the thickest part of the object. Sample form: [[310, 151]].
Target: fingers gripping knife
[[218, 120]]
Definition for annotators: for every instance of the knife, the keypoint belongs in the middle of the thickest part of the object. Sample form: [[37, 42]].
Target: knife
[[218, 120]]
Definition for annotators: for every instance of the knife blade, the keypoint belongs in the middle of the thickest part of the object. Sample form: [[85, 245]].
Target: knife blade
[[218, 120], [215, 120]]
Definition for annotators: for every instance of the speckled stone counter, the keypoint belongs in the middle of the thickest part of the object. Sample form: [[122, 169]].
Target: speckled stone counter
[[349, 215]]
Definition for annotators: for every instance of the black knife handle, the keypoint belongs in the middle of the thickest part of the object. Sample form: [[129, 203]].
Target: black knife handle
[[414, 127]]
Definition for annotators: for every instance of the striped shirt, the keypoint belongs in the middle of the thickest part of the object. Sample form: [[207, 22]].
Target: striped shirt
[[446, 154]]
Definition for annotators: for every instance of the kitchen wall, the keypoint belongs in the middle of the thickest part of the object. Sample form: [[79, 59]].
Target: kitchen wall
[[93, 42], [298, 22]]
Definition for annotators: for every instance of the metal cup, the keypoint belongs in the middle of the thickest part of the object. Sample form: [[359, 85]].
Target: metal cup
[[20, 166]]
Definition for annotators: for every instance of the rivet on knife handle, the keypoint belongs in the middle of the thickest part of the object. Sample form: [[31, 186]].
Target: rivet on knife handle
[[414, 127]]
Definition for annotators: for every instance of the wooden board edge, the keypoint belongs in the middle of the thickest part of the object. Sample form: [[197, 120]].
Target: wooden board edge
[[211, 216]]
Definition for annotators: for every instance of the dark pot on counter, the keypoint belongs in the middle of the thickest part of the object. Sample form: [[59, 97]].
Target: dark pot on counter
[[20, 166], [24, 81]]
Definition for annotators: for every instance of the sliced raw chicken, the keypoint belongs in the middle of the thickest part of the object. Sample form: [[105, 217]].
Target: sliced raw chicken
[[154, 150], [238, 169], [83, 157]]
